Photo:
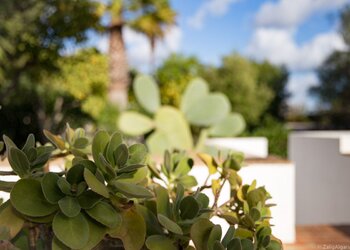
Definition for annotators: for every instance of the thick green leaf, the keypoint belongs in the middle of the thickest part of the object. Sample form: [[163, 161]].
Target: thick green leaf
[[89, 199], [19, 162], [203, 200], [27, 198], [189, 207], [10, 220], [30, 143], [58, 245], [209, 161], [158, 142], [228, 236], [187, 181], [183, 167], [69, 206], [169, 224], [135, 124], [8, 142], [152, 224], [99, 144], [137, 154], [73, 232], [64, 186], [121, 155], [132, 190], [50, 188], [160, 242], [132, 232], [55, 139], [247, 244], [163, 204], [75, 174], [42, 220], [130, 168], [95, 184], [105, 214], [135, 177], [234, 244], [116, 140], [215, 235], [218, 245], [274, 245], [147, 93], [81, 143], [200, 232], [96, 233]]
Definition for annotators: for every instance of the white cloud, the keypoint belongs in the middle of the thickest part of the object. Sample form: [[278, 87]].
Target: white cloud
[[279, 47], [291, 13], [299, 84], [138, 47], [210, 8]]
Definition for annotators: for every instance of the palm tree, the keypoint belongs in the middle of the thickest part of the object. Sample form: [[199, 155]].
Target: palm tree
[[156, 18], [150, 17]]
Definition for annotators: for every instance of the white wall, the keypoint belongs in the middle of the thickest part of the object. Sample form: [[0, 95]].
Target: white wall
[[322, 176], [278, 178]]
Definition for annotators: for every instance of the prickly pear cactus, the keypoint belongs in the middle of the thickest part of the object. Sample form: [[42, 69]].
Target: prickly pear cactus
[[171, 128]]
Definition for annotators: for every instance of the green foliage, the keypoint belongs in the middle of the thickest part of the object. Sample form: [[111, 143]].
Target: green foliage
[[173, 128], [116, 199], [277, 135]]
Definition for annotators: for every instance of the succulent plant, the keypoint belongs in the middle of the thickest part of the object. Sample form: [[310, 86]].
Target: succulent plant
[[171, 127], [113, 196]]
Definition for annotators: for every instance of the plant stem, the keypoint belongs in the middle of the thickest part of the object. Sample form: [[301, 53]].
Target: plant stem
[[32, 237], [217, 195]]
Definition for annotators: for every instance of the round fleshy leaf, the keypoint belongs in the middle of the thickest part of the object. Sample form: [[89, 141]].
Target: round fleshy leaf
[[69, 206], [232, 125], [196, 89], [105, 214], [189, 207], [169, 224], [134, 124], [132, 190], [147, 93], [73, 232], [19, 161], [160, 242], [96, 233], [50, 188], [208, 110], [200, 232], [27, 198], [95, 184], [99, 143], [75, 174], [137, 154], [89, 199]]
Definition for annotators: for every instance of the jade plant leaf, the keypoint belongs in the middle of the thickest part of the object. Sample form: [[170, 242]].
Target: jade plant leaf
[[19, 161], [163, 204], [132, 231], [135, 124], [147, 93], [235, 244], [247, 244], [30, 143], [132, 190], [160, 242], [137, 153], [152, 224], [169, 224], [99, 144], [64, 186], [200, 232], [116, 140], [69, 206], [10, 220], [73, 232], [95, 184], [89, 199], [189, 207], [58, 245], [50, 188], [27, 198], [228, 236], [55, 139], [75, 174], [158, 143], [96, 234], [215, 235], [105, 214], [121, 155], [81, 143]]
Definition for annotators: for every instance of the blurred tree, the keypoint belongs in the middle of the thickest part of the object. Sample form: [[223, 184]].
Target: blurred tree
[[33, 33], [276, 78], [238, 77], [173, 76], [150, 17], [333, 90]]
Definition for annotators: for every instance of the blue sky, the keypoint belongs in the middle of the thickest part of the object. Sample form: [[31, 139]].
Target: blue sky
[[299, 34]]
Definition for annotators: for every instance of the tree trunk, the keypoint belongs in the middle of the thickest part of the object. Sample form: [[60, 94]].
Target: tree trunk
[[118, 66]]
